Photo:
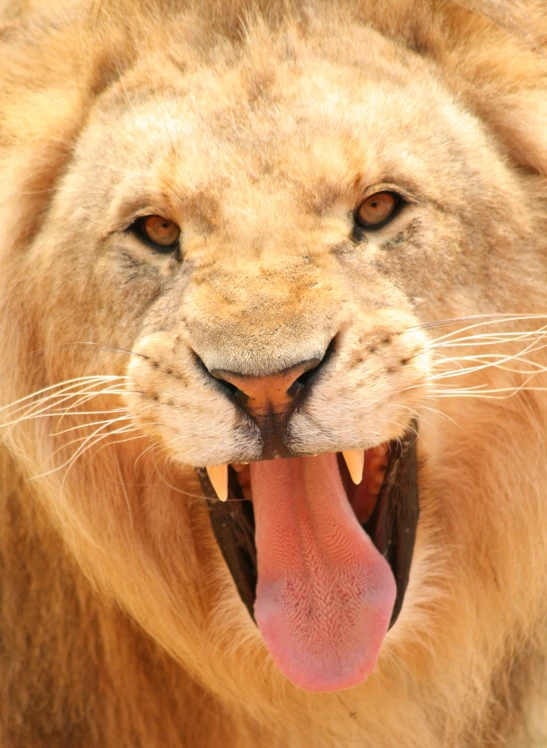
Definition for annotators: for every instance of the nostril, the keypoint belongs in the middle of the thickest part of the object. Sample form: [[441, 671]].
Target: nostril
[[230, 389], [279, 391], [300, 384], [306, 379]]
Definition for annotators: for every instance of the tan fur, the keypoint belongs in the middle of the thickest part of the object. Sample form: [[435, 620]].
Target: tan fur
[[258, 128]]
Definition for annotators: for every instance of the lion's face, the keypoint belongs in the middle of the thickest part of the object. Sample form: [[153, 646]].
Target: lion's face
[[264, 171], [331, 198]]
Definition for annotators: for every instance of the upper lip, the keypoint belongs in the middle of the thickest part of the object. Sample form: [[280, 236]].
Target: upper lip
[[392, 525]]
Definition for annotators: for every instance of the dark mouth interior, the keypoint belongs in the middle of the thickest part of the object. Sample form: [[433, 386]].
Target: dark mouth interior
[[390, 522]]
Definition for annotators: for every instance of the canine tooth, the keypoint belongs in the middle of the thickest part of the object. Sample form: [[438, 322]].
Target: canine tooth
[[355, 460], [218, 475]]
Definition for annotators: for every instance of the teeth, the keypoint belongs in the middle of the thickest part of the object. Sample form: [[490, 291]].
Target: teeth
[[355, 460], [218, 475]]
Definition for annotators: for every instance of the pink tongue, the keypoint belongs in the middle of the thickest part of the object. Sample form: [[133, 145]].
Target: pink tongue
[[324, 594]]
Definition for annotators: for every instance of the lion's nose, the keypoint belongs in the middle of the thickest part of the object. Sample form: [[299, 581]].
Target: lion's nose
[[272, 395]]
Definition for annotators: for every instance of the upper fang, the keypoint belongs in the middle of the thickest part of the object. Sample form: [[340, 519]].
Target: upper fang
[[355, 460], [218, 475]]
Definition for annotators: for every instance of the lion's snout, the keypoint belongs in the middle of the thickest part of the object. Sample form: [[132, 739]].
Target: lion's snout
[[271, 400]]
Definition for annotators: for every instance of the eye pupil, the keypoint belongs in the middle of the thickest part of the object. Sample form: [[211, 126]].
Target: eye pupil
[[160, 231], [377, 209]]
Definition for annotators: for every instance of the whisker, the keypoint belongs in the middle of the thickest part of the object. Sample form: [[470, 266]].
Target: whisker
[[94, 444], [444, 416], [138, 435], [493, 359], [522, 364], [77, 440], [66, 386], [164, 480], [479, 320], [44, 413], [92, 423], [47, 404], [88, 425], [488, 340], [493, 394], [491, 365], [82, 448], [145, 451], [89, 396]]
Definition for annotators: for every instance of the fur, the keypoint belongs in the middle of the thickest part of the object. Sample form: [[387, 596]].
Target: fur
[[258, 127]]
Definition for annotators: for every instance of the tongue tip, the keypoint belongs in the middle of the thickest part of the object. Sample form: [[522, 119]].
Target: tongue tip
[[318, 675], [339, 656], [329, 679], [333, 682]]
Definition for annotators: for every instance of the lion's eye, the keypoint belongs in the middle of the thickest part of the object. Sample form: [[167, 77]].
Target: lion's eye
[[162, 233], [377, 210]]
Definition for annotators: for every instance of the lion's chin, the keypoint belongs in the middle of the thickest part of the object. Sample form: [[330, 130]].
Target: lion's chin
[[321, 564]]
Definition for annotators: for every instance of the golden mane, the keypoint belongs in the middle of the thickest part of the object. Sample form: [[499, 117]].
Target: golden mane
[[119, 623]]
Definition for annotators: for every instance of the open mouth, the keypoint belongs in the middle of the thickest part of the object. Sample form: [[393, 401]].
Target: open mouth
[[320, 559]]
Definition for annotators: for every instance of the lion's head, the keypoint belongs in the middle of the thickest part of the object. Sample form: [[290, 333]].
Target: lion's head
[[304, 262]]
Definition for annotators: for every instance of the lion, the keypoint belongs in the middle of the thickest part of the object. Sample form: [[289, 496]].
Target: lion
[[273, 418]]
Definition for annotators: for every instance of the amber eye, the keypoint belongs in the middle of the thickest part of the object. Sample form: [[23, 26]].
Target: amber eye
[[159, 231], [377, 209]]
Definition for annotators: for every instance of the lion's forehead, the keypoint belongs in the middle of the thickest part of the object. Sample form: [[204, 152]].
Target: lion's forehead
[[263, 165], [241, 179], [320, 131]]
